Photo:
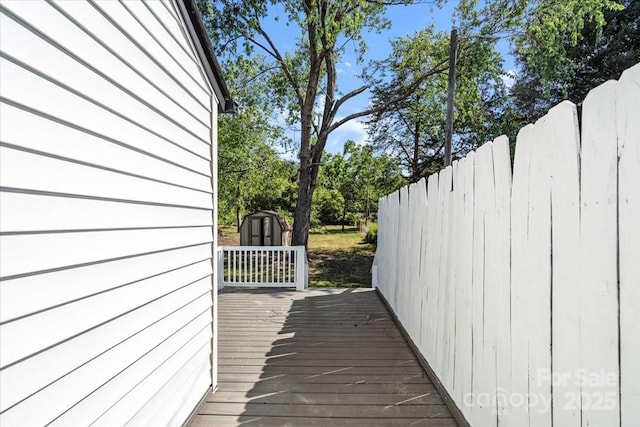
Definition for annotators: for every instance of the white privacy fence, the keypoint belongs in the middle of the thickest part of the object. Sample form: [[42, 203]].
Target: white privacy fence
[[262, 266], [522, 290]]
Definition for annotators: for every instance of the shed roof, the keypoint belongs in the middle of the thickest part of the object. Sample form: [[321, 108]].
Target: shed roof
[[284, 224], [198, 33]]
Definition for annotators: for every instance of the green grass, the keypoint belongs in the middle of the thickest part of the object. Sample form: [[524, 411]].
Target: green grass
[[339, 259]]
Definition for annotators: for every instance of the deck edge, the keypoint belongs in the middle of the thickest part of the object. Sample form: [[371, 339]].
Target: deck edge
[[455, 411]]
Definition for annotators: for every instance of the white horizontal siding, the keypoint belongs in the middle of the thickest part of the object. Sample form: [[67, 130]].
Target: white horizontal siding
[[83, 27], [107, 202], [55, 102], [23, 213], [28, 295], [62, 139], [45, 57], [40, 172], [32, 375], [187, 381]]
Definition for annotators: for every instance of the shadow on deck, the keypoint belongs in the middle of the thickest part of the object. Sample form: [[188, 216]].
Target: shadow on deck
[[318, 357]]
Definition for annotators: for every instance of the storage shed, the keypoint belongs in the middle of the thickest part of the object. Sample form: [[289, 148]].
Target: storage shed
[[265, 228], [108, 148]]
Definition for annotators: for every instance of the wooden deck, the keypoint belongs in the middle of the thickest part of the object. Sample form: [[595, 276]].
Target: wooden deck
[[317, 357]]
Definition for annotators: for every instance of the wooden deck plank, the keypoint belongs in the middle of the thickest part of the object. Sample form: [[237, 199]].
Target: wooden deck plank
[[428, 398], [232, 420], [360, 388], [315, 361], [379, 412], [319, 357]]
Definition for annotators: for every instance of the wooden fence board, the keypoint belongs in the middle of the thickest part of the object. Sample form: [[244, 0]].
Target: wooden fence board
[[565, 214], [432, 274], [519, 274], [483, 316], [444, 296], [539, 280], [502, 270], [628, 93], [599, 241], [463, 345]]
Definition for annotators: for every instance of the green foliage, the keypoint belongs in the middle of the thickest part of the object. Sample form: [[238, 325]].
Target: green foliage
[[540, 30], [301, 75], [599, 55], [252, 176], [563, 49], [327, 207], [372, 235], [413, 130], [355, 180]]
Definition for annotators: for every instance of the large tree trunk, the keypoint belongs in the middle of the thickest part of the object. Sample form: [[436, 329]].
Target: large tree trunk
[[308, 175], [302, 215]]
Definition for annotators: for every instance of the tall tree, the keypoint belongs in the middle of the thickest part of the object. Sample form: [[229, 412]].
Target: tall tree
[[600, 54], [359, 178], [304, 80], [253, 176], [413, 129]]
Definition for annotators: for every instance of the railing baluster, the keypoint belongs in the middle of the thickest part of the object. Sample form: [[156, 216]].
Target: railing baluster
[[233, 270], [244, 264], [272, 266]]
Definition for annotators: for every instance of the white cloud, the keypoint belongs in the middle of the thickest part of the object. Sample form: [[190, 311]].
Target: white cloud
[[509, 78], [347, 64], [353, 129]]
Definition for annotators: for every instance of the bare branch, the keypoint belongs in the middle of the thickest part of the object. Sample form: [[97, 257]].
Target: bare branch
[[275, 53], [403, 94], [347, 97]]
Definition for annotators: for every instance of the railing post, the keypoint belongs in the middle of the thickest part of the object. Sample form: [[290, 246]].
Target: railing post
[[374, 271], [220, 261], [306, 269], [300, 268]]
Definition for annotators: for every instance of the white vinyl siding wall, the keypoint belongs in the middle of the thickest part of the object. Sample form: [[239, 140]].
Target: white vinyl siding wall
[[107, 207]]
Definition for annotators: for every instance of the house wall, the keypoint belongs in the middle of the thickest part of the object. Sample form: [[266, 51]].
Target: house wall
[[107, 215], [521, 290]]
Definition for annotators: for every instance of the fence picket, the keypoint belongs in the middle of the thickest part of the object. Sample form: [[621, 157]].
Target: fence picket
[[483, 344], [517, 414], [501, 251], [565, 214], [599, 241], [628, 127]]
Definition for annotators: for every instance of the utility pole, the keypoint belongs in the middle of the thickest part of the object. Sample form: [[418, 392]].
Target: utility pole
[[453, 53]]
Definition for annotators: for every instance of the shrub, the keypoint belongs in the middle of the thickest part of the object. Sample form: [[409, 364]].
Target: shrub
[[372, 235]]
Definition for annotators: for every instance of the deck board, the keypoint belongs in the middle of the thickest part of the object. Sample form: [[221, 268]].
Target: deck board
[[317, 357]]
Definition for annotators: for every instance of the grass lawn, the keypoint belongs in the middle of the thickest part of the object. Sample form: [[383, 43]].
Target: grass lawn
[[336, 259]]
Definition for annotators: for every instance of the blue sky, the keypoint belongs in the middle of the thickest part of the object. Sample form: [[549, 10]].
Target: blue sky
[[405, 20]]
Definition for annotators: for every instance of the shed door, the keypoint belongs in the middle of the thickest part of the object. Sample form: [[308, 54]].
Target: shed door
[[256, 231], [267, 231]]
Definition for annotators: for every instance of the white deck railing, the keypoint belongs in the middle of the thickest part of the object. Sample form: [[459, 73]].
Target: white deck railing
[[262, 266]]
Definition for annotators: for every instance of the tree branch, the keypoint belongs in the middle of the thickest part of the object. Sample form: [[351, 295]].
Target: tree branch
[[403, 94]]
